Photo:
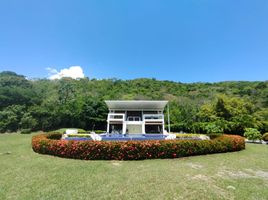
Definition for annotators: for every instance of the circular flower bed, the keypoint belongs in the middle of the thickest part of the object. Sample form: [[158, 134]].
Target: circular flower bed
[[133, 150]]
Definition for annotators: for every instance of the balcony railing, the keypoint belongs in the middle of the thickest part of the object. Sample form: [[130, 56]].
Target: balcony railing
[[116, 117], [145, 117], [153, 117], [133, 118]]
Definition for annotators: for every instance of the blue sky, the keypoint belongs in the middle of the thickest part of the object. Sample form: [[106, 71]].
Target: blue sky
[[179, 40]]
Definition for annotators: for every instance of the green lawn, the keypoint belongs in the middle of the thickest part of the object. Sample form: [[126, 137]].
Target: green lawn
[[27, 175]]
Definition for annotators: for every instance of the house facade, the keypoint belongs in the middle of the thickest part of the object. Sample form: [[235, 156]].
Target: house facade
[[136, 117]]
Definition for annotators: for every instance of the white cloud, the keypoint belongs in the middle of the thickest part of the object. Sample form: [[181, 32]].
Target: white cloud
[[51, 70], [74, 72]]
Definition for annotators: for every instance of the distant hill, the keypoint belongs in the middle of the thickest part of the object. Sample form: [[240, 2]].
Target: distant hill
[[50, 104]]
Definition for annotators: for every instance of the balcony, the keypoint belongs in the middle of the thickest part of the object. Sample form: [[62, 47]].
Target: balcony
[[153, 117], [150, 118], [116, 117], [133, 118]]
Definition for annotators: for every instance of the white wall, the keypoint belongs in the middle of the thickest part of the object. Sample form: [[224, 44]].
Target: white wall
[[134, 129]]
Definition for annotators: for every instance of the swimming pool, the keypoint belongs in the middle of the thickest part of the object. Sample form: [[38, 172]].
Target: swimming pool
[[121, 137]]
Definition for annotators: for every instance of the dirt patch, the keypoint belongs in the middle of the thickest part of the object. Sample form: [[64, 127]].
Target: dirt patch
[[231, 174], [194, 166], [259, 173], [116, 163], [247, 173], [201, 177]]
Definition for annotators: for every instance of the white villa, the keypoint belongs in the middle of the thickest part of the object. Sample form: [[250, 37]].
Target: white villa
[[136, 117]]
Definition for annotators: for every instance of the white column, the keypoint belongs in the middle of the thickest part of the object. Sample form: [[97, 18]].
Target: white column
[[163, 122], [124, 127], [143, 127], [168, 119], [108, 126]]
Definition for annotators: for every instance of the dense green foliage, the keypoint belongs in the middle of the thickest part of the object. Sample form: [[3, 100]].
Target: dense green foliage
[[43, 104], [134, 150], [252, 134]]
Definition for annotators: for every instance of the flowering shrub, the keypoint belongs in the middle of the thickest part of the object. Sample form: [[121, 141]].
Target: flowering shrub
[[134, 150]]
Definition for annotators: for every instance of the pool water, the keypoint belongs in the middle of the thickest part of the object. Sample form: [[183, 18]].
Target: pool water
[[77, 138], [116, 137], [127, 137]]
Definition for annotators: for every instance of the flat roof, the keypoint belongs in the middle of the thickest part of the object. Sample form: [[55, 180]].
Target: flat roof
[[136, 105]]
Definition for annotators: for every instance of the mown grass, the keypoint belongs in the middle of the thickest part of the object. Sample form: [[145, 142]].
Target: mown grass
[[27, 175]]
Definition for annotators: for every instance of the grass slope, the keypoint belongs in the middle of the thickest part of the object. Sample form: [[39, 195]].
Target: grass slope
[[27, 175]]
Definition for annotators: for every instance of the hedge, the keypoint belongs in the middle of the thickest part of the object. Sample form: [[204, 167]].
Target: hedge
[[83, 135], [265, 137], [133, 150]]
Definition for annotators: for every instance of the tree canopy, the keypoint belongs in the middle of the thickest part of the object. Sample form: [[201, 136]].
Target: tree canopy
[[43, 104]]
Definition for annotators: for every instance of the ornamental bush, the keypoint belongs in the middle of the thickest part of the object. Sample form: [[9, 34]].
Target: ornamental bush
[[252, 134], [78, 135], [54, 136], [265, 137], [133, 150], [99, 131], [26, 131]]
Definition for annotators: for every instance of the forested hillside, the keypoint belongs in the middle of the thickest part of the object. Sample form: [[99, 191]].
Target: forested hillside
[[43, 104]]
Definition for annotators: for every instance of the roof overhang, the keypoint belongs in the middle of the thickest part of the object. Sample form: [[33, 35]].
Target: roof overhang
[[136, 105]]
